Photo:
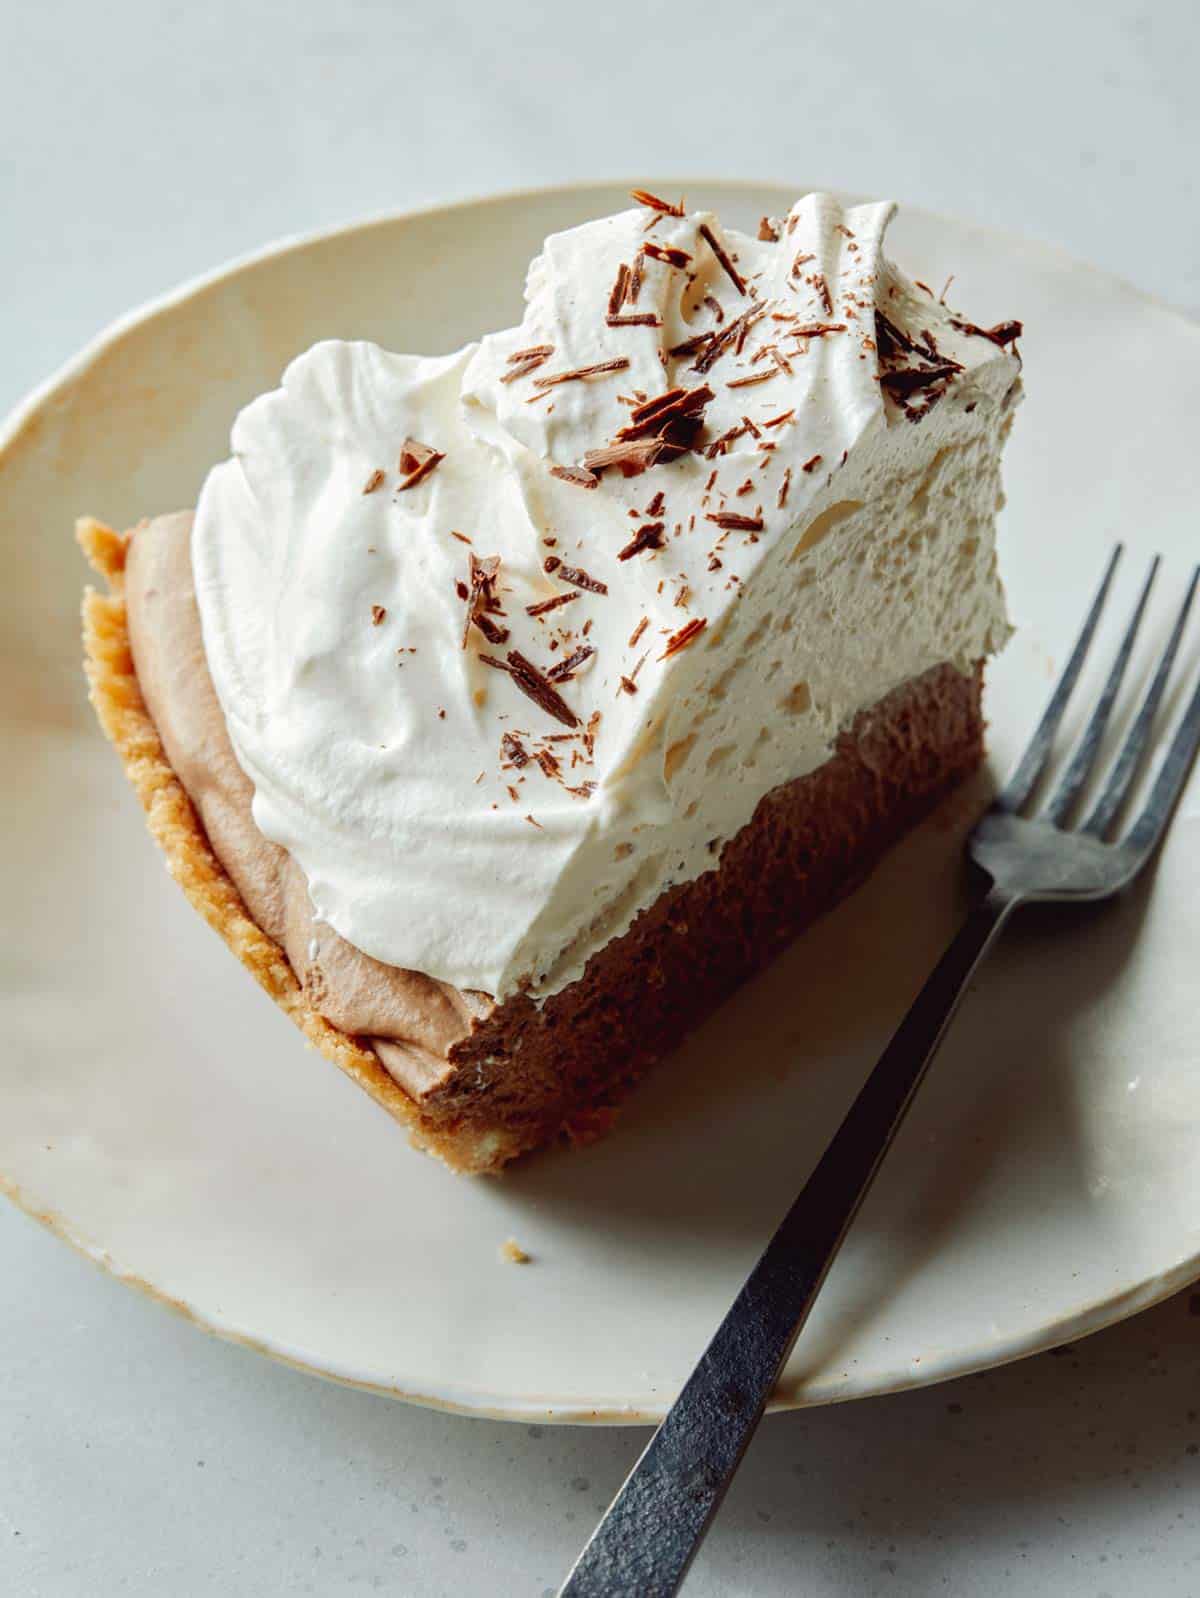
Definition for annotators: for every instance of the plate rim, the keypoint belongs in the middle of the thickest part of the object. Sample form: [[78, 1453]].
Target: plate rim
[[1093, 1316], [1085, 1321]]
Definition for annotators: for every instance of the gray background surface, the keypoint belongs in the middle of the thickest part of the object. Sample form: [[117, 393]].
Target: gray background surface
[[141, 143]]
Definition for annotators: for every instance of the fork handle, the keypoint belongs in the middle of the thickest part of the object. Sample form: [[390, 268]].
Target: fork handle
[[649, 1536]]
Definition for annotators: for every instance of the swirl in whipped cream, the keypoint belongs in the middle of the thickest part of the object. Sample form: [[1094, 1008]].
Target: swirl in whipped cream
[[645, 655]]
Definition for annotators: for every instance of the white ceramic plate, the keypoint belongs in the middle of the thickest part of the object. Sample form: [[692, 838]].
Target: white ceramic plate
[[161, 1114]]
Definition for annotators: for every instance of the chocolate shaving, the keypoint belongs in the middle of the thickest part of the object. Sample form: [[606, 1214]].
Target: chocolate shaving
[[658, 417], [801, 260], [481, 596], [579, 475], [684, 636], [656, 504], [417, 461], [691, 345], [492, 631], [578, 578], [637, 319], [632, 458], [647, 537], [714, 306], [635, 281], [822, 288], [783, 488], [755, 377], [373, 482], [667, 253], [733, 522], [629, 685], [812, 464], [529, 364], [1003, 333], [511, 748], [554, 603], [778, 421], [548, 763], [578, 373], [720, 445], [619, 290], [718, 249], [532, 351], [891, 338], [414, 454], [644, 197], [638, 631], [567, 668], [732, 333], [909, 380], [537, 687], [768, 233], [585, 790], [816, 329], [658, 429], [377, 614]]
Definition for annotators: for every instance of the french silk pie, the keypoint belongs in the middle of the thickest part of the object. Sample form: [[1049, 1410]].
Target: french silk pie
[[504, 710]]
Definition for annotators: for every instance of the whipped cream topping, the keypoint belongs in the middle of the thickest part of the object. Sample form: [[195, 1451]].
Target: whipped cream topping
[[495, 698]]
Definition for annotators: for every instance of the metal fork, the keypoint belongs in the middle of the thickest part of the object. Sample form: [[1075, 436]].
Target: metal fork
[[647, 1540]]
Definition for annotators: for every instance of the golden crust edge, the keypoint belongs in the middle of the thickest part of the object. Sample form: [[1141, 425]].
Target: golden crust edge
[[172, 821]]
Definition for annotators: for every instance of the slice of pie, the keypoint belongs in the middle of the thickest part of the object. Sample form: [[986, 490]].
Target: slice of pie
[[505, 710]]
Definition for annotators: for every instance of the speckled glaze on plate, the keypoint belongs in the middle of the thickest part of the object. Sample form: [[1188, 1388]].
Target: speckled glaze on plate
[[157, 1111]]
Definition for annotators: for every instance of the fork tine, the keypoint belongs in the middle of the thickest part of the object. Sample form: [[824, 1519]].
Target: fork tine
[[1127, 762], [1145, 832], [1149, 826], [1020, 785], [1084, 757]]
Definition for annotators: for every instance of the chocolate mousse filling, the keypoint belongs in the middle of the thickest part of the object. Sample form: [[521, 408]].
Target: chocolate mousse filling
[[483, 1082]]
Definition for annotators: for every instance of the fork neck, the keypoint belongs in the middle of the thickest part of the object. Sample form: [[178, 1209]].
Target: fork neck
[[992, 903]]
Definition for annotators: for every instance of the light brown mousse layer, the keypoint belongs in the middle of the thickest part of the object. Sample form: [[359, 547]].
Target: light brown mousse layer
[[477, 1082]]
